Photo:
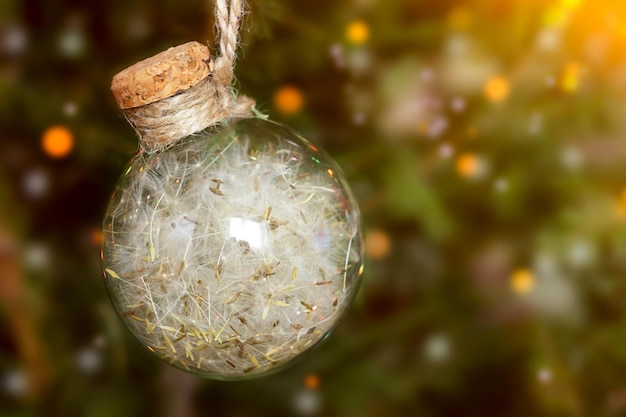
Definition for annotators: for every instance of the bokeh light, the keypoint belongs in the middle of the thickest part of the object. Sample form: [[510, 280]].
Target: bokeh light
[[14, 40], [96, 237], [437, 348], [57, 141], [570, 78], [471, 166], [522, 281], [14, 383], [377, 244], [89, 360], [288, 100], [306, 403], [36, 183], [357, 32], [312, 381], [497, 89]]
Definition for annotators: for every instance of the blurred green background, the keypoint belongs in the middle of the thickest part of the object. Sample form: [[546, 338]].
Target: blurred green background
[[484, 139]]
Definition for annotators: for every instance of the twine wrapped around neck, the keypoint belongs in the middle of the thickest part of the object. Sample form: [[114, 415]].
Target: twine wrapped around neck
[[182, 91], [161, 124]]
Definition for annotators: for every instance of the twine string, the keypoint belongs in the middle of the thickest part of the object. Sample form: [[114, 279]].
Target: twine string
[[210, 102], [227, 21]]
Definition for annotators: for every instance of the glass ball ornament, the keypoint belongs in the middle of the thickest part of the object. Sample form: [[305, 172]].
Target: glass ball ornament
[[234, 250]]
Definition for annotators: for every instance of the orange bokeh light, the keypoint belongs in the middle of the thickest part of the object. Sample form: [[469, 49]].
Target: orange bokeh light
[[96, 237], [377, 244], [57, 141], [312, 381], [357, 32], [497, 89], [467, 165], [620, 206], [522, 281], [288, 100]]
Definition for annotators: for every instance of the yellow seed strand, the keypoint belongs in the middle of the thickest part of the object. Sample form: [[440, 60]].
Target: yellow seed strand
[[137, 318], [217, 336], [306, 201], [273, 351], [178, 319], [168, 342], [112, 273], [287, 289], [188, 351], [206, 336], [168, 328], [280, 303], [266, 310]]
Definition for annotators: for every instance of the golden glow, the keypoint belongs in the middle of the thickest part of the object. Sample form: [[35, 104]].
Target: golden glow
[[522, 281], [571, 4], [357, 32], [620, 207], [497, 89], [467, 165], [460, 18], [570, 79]]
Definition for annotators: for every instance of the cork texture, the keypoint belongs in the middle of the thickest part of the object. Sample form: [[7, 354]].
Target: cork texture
[[161, 76]]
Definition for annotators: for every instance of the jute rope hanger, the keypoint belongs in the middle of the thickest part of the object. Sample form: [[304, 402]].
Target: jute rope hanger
[[182, 91]]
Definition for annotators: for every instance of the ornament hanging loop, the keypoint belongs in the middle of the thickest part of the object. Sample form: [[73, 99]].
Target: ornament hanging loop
[[182, 91], [228, 20]]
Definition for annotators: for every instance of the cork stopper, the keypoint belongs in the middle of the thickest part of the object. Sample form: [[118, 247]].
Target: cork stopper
[[161, 76]]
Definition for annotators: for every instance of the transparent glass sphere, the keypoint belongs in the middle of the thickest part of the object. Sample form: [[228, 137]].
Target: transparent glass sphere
[[233, 251]]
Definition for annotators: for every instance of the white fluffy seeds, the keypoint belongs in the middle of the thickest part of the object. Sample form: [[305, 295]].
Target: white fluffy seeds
[[232, 252]]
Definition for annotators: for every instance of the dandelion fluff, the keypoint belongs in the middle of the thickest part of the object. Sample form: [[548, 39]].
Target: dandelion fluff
[[234, 250]]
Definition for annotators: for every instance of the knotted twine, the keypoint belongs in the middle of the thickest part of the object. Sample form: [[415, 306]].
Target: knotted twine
[[211, 101]]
